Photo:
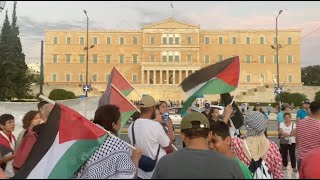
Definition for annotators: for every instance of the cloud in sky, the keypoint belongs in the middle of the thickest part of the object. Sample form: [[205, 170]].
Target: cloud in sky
[[35, 17]]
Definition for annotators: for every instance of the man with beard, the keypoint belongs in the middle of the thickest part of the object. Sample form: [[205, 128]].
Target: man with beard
[[148, 134]]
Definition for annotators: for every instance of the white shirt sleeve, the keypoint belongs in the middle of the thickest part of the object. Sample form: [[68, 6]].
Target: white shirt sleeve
[[162, 137], [281, 125]]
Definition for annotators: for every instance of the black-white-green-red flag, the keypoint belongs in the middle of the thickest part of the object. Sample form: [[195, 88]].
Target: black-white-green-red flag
[[219, 78], [65, 142]]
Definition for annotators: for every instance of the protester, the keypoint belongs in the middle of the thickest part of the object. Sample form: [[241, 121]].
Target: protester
[[308, 136], [269, 109], [148, 134], [164, 119], [196, 161], [112, 159], [215, 115], [31, 119], [303, 113], [285, 108], [259, 147], [206, 111], [310, 165], [7, 143], [258, 108], [41, 109], [221, 142], [288, 142]]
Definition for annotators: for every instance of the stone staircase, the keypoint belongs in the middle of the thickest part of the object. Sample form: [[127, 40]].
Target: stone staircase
[[256, 94]]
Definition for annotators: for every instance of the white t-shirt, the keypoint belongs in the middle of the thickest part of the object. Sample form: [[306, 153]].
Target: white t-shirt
[[148, 135], [286, 129]]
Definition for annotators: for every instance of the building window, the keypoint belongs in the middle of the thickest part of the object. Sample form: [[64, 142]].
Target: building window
[[262, 59], [94, 78], [220, 40], [171, 58], [54, 77], [290, 78], [121, 57], [189, 58], [275, 60], [171, 40], [81, 58], [135, 40], [152, 40], [55, 40], [290, 59], [54, 58], [189, 40], [248, 40], [262, 78], [261, 40], [248, 78], [68, 58], [274, 40], [135, 59], [81, 40], [206, 40], [176, 58], [152, 58], [289, 40], [207, 59], [95, 40], [108, 40], [95, 59], [234, 40], [134, 78], [177, 40], [81, 77], [68, 40], [164, 58], [164, 40], [220, 58], [107, 77], [248, 59], [108, 59], [68, 77], [122, 41]]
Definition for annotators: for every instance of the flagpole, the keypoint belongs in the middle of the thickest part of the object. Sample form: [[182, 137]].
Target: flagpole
[[47, 99]]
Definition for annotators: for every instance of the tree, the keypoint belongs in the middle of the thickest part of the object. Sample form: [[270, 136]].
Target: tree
[[291, 98], [310, 75], [317, 97], [14, 79]]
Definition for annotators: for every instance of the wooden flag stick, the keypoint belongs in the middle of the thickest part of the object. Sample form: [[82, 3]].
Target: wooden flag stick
[[174, 147], [234, 97], [47, 99]]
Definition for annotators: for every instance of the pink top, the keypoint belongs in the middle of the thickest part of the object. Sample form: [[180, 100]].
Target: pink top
[[273, 161]]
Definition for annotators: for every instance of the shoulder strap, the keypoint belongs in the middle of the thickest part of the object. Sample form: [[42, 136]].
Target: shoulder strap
[[133, 137], [158, 153]]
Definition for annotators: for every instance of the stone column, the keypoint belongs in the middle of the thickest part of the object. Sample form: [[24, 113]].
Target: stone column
[[154, 77], [174, 77], [148, 77], [161, 80]]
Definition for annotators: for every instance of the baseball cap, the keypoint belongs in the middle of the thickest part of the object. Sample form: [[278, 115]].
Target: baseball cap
[[206, 105], [186, 122], [147, 101], [306, 101]]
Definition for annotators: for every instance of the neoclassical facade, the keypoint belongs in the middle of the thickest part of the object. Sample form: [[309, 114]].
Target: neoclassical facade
[[165, 53]]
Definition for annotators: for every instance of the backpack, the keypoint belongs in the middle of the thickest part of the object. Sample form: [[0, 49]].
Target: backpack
[[259, 169], [27, 142]]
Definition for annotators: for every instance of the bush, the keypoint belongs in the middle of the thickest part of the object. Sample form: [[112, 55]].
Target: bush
[[317, 97], [295, 98], [61, 94]]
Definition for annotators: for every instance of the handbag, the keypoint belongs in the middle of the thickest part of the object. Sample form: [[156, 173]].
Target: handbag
[[146, 163]]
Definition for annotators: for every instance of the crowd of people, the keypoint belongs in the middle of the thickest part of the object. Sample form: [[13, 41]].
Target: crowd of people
[[210, 149]]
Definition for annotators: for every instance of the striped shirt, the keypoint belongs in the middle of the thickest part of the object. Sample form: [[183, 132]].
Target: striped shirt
[[308, 136]]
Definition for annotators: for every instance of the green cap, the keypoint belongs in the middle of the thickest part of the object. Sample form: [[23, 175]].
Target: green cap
[[186, 122]]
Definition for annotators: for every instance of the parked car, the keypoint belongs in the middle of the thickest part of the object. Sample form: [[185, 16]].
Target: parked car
[[175, 114]]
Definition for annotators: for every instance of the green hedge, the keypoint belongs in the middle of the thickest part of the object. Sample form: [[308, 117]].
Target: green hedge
[[61, 94]]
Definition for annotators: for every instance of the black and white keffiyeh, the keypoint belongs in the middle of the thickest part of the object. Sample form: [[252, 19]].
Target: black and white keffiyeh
[[111, 160]]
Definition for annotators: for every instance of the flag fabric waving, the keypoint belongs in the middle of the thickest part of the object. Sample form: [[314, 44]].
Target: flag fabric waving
[[115, 97], [219, 78], [65, 142]]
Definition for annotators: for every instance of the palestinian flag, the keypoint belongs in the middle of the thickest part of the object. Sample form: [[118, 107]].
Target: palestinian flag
[[219, 78], [65, 142], [119, 81], [115, 97]]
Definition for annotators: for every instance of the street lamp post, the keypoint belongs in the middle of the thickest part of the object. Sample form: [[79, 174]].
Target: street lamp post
[[87, 48]]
